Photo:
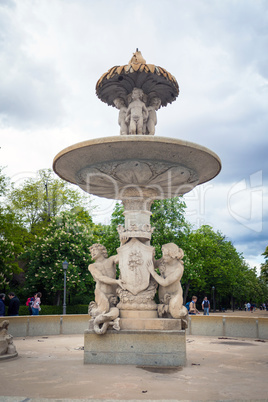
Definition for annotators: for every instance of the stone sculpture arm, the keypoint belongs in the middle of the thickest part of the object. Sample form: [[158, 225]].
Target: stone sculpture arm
[[128, 115], [145, 111], [171, 278]]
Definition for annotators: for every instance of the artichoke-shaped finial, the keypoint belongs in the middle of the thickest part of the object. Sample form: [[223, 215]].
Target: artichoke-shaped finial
[[137, 58]]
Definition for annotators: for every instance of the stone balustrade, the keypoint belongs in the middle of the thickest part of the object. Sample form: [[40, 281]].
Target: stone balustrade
[[217, 325]]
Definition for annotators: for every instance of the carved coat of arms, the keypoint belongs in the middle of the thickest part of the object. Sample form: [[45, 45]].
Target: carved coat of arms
[[133, 260]]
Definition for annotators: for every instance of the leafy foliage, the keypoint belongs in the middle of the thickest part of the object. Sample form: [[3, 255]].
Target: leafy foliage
[[57, 310], [169, 222], [67, 237], [212, 260], [110, 238], [264, 267], [39, 199], [12, 235]]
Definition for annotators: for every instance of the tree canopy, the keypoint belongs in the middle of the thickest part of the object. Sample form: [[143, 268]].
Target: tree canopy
[[264, 266], [12, 236], [39, 199], [67, 237]]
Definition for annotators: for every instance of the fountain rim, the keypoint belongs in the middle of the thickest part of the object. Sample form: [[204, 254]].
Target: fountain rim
[[128, 139]]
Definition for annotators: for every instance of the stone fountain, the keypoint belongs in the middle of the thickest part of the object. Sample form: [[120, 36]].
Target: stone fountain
[[126, 325]]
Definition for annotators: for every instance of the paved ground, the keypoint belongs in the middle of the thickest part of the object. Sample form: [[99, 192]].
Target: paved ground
[[217, 369]]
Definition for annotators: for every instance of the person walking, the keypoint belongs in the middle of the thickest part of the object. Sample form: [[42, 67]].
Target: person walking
[[36, 304], [14, 304], [206, 305], [2, 305], [29, 304], [192, 308]]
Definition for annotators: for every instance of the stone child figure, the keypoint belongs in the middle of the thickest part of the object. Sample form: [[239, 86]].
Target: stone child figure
[[120, 104], [170, 291], [7, 346], [137, 113], [103, 270], [152, 118]]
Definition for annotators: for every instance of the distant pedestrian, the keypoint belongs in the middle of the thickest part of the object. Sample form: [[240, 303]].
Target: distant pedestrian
[[36, 304], [14, 304], [29, 304], [248, 306], [2, 305], [206, 305], [192, 308]]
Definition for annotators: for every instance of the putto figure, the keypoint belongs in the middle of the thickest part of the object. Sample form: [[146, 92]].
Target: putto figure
[[137, 113], [120, 104], [170, 291], [7, 346], [103, 310], [152, 118]]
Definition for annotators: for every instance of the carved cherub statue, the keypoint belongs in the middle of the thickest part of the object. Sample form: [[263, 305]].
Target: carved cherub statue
[[120, 104], [170, 291], [137, 113], [152, 119], [103, 270], [7, 346]]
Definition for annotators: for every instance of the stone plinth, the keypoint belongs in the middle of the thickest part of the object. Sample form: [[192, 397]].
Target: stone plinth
[[137, 314], [157, 324], [144, 347]]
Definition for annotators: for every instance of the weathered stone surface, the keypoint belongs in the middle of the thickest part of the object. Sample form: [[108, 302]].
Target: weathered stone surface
[[126, 167], [205, 325], [103, 310], [119, 81], [262, 327], [142, 324], [7, 347], [51, 325], [138, 313], [156, 348], [247, 326], [213, 325]]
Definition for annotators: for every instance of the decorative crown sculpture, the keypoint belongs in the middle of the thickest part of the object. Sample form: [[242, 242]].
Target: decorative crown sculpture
[[137, 89]]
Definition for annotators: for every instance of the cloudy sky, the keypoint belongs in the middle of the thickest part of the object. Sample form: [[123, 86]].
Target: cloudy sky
[[52, 52]]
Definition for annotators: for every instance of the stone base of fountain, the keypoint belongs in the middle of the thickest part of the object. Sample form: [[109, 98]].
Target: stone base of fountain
[[146, 347]]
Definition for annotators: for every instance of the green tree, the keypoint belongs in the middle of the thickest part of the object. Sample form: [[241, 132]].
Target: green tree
[[67, 237], [12, 236], [264, 266], [39, 199], [212, 260], [110, 237], [169, 223]]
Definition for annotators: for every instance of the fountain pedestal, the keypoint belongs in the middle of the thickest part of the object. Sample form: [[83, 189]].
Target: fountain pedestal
[[147, 347]]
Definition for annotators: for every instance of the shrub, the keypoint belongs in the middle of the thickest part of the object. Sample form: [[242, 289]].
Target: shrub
[[57, 310]]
